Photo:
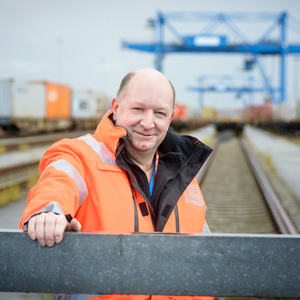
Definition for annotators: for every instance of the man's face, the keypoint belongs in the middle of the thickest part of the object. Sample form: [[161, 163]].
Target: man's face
[[145, 111]]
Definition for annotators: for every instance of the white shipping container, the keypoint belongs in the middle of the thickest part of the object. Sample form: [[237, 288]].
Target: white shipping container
[[28, 100], [284, 112], [81, 105], [99, 104], [275, 112], [88, 105]]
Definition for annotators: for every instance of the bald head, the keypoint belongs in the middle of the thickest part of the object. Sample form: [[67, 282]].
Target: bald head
[[146, 74]]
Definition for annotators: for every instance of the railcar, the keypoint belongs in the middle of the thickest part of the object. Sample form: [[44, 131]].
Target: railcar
[[40, 106]]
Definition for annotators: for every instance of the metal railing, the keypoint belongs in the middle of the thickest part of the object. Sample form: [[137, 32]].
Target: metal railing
[[157, 264]]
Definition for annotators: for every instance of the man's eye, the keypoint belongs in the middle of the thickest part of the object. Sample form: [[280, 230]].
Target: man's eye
[[137, 108], [161, 113]]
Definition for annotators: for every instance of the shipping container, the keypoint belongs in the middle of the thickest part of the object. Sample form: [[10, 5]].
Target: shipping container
[[286, 111], [34, 106], [88, 107], [102, 104], [181, 112], [88, 104], [58, 101], [259, 112], [46, 106], [27, 100], [99, 104], [21, 100], [229, 115], [193, 112], [81, 105]]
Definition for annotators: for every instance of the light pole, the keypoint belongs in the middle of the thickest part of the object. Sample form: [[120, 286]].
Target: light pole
[[59, 59]]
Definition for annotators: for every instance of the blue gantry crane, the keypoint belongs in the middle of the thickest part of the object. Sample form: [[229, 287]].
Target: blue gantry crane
[[206, 41], [238, 84]]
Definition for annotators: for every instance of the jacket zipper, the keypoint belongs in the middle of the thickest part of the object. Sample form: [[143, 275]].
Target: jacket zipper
[[162, 195], [150, 207]]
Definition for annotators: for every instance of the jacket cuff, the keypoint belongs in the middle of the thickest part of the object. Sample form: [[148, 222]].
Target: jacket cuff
[[51, 207]]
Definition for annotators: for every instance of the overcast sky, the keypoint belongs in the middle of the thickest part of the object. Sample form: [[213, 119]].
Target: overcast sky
[[78, 42]]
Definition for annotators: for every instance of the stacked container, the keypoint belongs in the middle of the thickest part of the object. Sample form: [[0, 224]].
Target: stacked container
[[88, 107], [286, 111], [35, 106], [58, 101]]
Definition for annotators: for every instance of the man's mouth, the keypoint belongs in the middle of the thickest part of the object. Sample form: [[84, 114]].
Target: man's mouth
[[144, 134]]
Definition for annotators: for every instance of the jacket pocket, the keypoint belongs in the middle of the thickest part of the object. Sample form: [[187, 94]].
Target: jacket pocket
[[108, 167]]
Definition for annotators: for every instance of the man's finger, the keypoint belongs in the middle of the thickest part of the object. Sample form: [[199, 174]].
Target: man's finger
[[61, 224], [40, 229], [31, 229], [50, 220]]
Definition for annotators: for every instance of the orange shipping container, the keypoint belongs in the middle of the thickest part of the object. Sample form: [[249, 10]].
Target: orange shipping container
[[58, 101], [180, 112]]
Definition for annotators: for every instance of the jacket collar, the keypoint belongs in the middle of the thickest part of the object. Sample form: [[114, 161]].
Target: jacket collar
[[113, 137], [110, 134]]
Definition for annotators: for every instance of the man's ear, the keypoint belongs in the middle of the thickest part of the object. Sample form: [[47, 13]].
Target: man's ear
[[114, 108], [172, 116]]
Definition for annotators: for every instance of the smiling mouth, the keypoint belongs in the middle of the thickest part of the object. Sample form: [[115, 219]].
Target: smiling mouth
[[144, 135]]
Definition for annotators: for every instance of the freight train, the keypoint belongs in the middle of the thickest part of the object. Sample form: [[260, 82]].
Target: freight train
[[40, 106], [44, 107], [281, 118]]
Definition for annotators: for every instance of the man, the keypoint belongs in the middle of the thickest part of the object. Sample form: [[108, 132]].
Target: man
[[132, 175]]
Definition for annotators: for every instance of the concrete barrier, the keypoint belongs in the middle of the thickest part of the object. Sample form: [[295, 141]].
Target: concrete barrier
[[158, 264]]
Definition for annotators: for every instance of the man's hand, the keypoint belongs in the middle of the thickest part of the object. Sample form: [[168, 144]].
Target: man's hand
[[48, 228]]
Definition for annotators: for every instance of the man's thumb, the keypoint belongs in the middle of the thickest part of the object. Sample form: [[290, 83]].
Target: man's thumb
[[74, 225]]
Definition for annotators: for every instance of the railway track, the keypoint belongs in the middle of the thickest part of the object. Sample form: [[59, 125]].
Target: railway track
[[15, 182], [235, 200], [27, 142], [239, 197], [17, 176]]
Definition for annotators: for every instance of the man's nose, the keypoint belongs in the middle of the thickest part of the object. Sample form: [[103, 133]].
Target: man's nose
[[148, 120]]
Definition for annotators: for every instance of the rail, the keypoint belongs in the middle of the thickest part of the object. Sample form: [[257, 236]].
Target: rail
[[200, 175], [280, 215], [158, 264], [15, 143], [15, 182]]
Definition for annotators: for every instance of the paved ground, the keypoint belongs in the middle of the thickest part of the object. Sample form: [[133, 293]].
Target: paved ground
[[11, 213], [285, 156]]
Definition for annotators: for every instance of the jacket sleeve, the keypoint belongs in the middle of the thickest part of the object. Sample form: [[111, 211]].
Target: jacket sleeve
[[61, 187]]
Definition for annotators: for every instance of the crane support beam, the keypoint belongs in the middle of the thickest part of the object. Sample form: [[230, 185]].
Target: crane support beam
[[229, 89], [232, 265], [263, 49]]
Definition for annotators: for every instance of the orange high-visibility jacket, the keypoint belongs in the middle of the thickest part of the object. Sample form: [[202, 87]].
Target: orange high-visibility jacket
[[87, 178]]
